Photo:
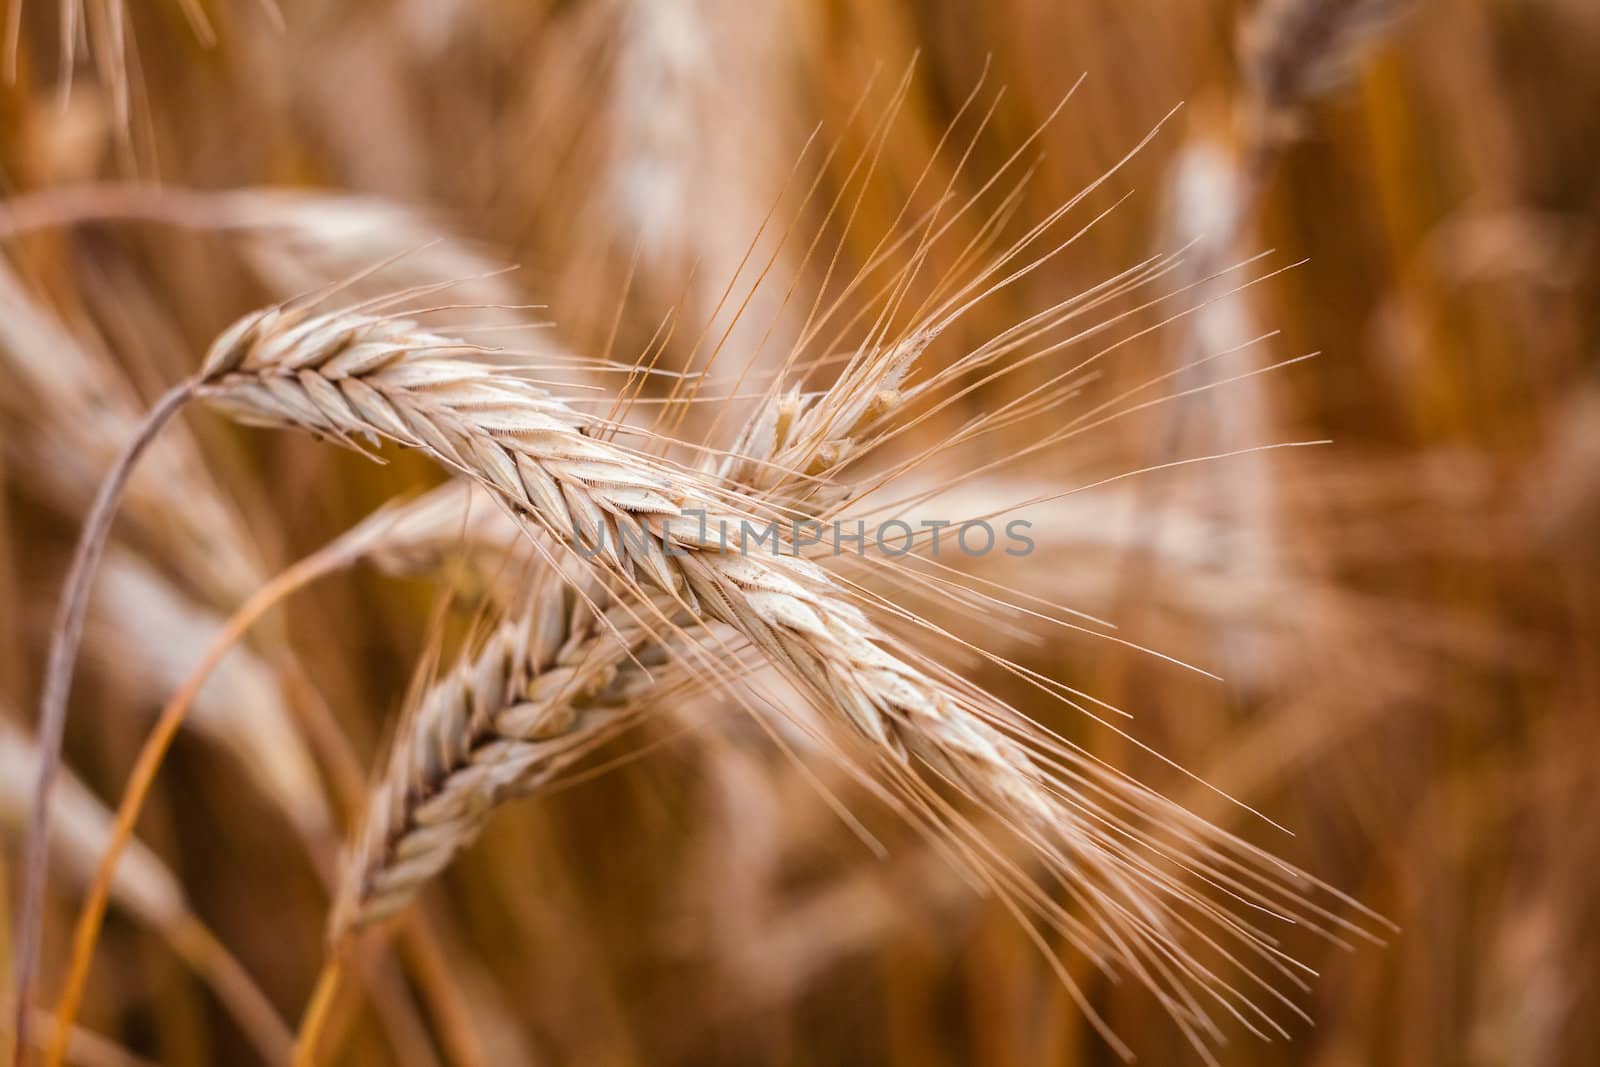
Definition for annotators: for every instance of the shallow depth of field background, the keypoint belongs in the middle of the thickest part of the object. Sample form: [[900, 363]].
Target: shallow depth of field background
[[1406, 618]]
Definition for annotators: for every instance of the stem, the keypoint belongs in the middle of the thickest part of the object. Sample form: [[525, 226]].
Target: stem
[[106, 201], [235, 988], [155, 748], [66, 636], [323, 996], [448, 1011], [419, 945], [431, 970]]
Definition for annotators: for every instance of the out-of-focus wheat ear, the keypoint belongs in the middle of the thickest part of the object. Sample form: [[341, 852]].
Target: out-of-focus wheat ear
[[150, 636], [1565, 498], [79, 825], [1293, 51], [304, 240], [79, 828], [298, 239], [1224, 402], [459, 533], [68, 411], [349, 247], [697, 110], [1074, 571]]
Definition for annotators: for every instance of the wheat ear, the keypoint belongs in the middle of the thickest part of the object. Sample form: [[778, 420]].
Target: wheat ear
[[346, 375], [534, 698], [545, 686]]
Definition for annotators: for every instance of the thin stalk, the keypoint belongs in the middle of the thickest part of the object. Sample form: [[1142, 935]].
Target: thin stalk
[[323, 997], [66, 636], [244, 1000], [323, 561], [419, 944]]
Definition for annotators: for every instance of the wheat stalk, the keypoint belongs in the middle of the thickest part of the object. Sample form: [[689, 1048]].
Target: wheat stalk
[[146, 634], [69, 411], [347, 376], [175, 507]]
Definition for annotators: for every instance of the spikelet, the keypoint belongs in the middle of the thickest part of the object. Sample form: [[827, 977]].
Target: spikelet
[[795, 442], [547, 684], [533, 699]]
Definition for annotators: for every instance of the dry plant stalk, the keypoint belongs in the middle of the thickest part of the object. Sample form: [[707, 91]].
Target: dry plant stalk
[[144, 629], [389, 525], [173, 499], [176, 510], [349, 376], [65, 638], [78, 410]]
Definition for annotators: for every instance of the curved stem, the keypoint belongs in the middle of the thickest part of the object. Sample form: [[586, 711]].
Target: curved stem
[[66, 635], [448, 1011], [321, 562]]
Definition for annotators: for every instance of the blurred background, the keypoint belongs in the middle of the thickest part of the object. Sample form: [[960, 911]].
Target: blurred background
[[1407, 618]]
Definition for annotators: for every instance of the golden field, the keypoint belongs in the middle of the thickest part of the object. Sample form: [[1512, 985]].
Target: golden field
[[1340, 607]]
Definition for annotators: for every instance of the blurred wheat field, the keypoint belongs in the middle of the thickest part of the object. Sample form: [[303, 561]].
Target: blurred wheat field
[[700, 843]]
